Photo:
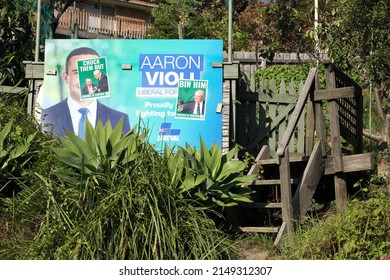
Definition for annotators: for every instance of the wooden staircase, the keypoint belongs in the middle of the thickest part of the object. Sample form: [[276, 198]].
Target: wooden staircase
[[270, 193], [285, 186]]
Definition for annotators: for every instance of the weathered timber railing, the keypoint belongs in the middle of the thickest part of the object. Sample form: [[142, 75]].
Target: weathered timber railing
[[350, 108], [298, 109], [345, 108], [282, 152], [106, 25], [324, 131]]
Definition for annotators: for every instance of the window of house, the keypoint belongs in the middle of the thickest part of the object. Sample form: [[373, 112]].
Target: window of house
[[107, 11], [101, 18], [99, 9]]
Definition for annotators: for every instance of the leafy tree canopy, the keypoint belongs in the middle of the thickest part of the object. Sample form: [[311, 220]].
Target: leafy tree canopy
[[52, 11], [264, 26], [357, 37], [16, 40], [191, 19]]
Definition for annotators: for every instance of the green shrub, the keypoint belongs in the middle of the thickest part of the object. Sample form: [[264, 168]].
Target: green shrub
[[24, 149], [112, 198], [289, 72], [208, 177], [13, 150], [361, 233]]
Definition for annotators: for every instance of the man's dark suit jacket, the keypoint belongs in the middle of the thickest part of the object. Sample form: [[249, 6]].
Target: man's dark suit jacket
[[85, 89], [190, 106], [57, 118], [103, 83]]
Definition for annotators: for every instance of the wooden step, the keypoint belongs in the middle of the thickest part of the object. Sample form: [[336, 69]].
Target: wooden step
[[270, 182], [261, 204], [260, 229], [293, 159]]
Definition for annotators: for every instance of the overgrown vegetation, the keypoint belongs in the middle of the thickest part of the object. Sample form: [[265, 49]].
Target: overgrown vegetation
[[355, 39], [289, 72], [265, 27], [23, 147], [16, 44], [207, 176], [112, 197], [361, 233]]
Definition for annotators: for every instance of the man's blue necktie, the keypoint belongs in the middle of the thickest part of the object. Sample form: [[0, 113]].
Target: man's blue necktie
[[83, 120], [198, 108]]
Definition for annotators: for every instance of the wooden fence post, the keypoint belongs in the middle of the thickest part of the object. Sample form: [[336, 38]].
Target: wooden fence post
[[340, 183]]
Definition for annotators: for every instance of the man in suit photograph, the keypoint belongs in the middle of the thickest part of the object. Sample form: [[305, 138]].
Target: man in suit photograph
[[103, 81], [196, 106], [89, 87], [71, 113]]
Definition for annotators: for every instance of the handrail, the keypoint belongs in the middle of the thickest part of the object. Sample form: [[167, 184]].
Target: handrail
[[108, 25], [14, 89], [296, 113]]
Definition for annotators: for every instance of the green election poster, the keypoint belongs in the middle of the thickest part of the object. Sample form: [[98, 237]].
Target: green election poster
[[192, 99], [93, 78]]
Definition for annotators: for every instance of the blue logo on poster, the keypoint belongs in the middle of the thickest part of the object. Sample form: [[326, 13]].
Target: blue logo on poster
[[168, 133], [165, 70]]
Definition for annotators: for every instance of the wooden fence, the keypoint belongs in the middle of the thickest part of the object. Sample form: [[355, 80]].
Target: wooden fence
[[247, 114], [263, 116]]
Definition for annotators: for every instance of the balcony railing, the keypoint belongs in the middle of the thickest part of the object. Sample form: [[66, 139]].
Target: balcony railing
[[105, 25]]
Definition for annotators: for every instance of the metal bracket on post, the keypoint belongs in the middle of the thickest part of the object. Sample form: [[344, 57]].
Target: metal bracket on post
[[127, 67]]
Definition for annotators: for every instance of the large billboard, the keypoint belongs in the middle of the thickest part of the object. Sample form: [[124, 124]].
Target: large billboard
[[169, 87]]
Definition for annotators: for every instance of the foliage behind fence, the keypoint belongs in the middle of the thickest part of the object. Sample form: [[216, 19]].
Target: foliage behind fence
[[263, 115]]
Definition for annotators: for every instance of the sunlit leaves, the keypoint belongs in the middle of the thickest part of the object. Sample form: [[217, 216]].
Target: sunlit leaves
[[103, 150], [208, 176]]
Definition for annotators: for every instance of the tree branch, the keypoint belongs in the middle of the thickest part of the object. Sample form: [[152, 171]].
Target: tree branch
[[61, 8], [375, 137], [378, 101]]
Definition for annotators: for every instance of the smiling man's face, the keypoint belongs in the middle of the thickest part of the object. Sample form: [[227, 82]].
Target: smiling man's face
[[71, 76]]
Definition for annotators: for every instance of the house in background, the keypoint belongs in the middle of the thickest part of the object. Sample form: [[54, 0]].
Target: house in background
[[105, 19]]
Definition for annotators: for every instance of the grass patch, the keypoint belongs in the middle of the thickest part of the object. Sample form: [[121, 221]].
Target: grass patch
[[360, 233]]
